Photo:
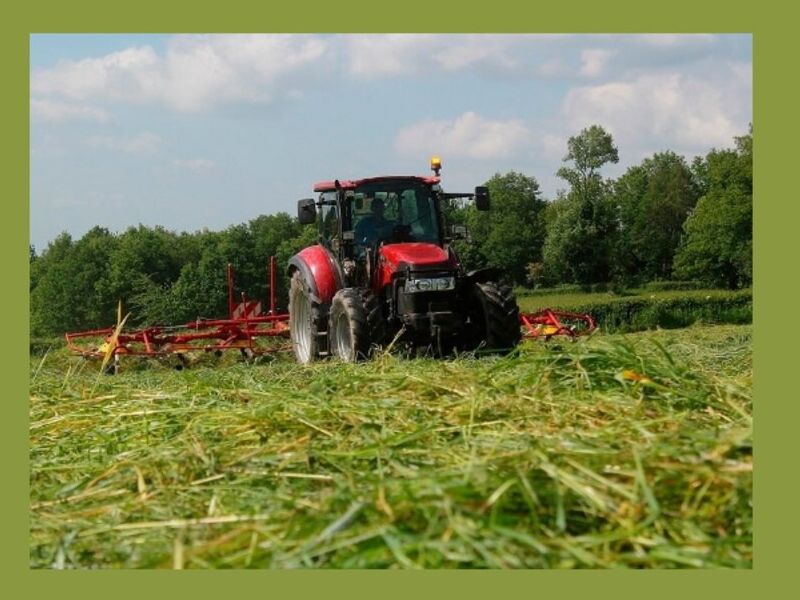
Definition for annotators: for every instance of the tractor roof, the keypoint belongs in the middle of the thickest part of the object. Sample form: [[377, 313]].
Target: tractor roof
[[329, 186]]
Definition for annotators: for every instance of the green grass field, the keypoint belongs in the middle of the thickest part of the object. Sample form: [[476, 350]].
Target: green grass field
[[641, 310], [629, 450], [570, 299]]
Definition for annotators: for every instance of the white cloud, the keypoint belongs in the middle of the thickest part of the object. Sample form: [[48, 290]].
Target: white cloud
[[393, 54], [686, 113], [664, 40], [400, 54], [494, 51], [142, 143], [545, 55], [56, 111], [553, 146], [127, 74], [202, 71], [469, 135], [594, 61], [194, 164], [196, 73]]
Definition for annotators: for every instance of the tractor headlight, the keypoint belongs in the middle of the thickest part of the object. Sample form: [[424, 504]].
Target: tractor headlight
[[433, 284]]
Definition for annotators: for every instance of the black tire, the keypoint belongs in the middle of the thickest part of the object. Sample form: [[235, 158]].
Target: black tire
[[305, 320], [495, 317], [112, 368], [355, 326]]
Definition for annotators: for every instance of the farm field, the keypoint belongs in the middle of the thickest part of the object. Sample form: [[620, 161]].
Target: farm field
[[619, 450], [569, 299], [643, 309]]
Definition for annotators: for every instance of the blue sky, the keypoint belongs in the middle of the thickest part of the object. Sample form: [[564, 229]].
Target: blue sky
[[205, 131]]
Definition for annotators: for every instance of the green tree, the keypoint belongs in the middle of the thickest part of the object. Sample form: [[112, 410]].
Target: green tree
[[269, 232], [653, 200], [161, 277], [47, 283], [199, 289], [580, 240], [33, 272], [460, 213], [511, 234], [592, 148], [718, 235], [143, 258], [580, 243], [67, 294]]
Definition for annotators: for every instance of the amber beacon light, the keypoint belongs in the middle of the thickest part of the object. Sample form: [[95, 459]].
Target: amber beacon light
[[436, 165]]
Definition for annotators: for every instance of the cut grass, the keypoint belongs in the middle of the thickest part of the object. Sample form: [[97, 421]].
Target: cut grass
[[626, 450]]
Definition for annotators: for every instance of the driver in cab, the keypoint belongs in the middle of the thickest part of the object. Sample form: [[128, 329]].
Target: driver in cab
[[374, 227]]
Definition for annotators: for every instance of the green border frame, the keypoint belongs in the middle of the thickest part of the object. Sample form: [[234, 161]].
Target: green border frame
[[775, 129]]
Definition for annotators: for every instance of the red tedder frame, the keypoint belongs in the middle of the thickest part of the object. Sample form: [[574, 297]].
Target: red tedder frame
[[241, 330], [548, 322]]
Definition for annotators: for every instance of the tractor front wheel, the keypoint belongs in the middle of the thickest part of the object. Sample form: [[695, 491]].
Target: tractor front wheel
[[355, 325], [305, 317], [495, 317]]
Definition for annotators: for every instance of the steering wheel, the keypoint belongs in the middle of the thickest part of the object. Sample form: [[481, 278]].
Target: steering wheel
[[402, 233]]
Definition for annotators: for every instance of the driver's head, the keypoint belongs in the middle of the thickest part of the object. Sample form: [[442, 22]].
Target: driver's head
[[377, 207]]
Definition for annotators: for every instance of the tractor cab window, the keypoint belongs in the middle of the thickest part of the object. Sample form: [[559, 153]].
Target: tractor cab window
[[329, 220], [392, 214]]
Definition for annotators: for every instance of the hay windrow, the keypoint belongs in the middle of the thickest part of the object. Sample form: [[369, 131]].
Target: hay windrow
[[631, 450]]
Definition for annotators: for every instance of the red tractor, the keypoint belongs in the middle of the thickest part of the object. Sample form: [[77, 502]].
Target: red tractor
[[384, 271]]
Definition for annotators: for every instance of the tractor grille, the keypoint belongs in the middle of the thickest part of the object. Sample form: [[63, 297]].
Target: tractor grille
[[425, 302]]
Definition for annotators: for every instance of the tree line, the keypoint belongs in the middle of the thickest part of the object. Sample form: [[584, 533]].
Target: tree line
[[663, 219]]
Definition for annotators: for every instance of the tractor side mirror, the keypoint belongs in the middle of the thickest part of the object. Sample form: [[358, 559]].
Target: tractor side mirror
[[306, 211], [482, 198], [459, 232]]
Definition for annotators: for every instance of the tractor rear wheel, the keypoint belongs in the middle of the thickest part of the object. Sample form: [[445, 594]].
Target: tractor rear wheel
[[305, 318], [355, 325], [495, 317]]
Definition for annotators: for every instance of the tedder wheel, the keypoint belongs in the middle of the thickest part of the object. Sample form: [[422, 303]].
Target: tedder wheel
[[355, 324], [305, 317], [496, 317]]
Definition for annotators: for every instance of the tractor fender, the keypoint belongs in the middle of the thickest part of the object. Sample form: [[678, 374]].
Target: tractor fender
[[321, 271], [483, 275]]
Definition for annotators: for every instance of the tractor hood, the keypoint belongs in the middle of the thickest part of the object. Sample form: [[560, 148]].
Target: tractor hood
[[415, 255]]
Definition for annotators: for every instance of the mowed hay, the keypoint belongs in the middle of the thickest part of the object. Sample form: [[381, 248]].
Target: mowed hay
[[630, 450]]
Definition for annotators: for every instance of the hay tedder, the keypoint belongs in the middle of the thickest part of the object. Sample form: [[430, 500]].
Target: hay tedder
[[384, 274], [245, 329]]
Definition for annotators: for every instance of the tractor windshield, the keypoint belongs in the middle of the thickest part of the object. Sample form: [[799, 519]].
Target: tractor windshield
[[393, 212]]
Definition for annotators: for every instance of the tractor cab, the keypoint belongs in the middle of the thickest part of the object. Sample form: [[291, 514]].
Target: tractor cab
[[364, 214], [383, 265], [356, 218]]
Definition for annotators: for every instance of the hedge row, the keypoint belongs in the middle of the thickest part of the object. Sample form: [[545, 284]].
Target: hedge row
[[669, 312], [568, 288], [572, 288], [671, 286]]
